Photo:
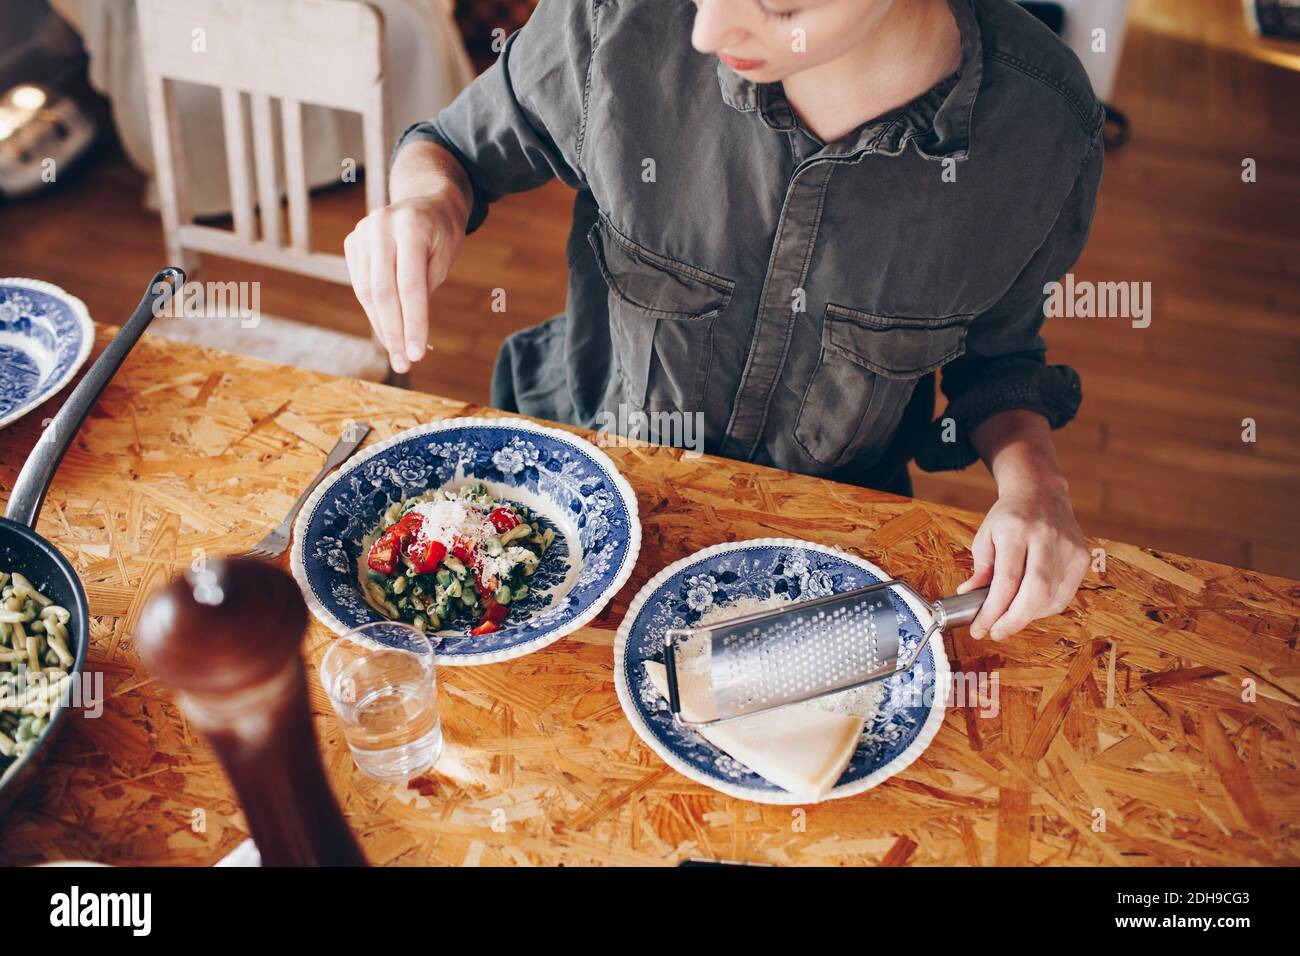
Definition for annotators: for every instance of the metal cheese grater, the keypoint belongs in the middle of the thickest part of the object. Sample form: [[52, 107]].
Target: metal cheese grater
[[771, 659]]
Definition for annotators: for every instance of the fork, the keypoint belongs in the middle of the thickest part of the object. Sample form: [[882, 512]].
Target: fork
[[277, 539]]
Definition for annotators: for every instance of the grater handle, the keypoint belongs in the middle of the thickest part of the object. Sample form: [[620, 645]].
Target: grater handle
[[960, 608]]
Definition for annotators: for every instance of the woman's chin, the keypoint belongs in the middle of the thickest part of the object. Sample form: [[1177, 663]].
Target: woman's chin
[[762, 74]]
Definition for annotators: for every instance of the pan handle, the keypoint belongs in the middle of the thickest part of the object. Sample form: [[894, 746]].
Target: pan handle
[[34, 480]]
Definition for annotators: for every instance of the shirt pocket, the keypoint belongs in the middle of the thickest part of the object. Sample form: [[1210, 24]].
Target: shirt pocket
[[661, 313], [867, 370]]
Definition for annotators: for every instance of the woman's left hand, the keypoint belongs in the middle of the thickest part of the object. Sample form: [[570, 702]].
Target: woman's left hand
[[1031, 551]]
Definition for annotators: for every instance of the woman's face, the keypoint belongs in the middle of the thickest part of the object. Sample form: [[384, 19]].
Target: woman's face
[[770, 40]]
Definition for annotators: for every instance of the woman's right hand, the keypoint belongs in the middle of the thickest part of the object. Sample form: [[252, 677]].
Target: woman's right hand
[[397, 256]]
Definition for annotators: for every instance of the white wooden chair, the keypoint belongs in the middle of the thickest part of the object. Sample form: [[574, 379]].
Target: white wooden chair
[[325, 52]]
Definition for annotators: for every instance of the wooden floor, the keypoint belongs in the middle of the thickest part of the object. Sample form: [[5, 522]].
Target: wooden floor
[[1155, 456]]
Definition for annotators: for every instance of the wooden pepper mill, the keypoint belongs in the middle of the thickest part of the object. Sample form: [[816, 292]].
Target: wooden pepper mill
[[227, 639]]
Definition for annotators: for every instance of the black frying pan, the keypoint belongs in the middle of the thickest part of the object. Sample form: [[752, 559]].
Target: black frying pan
[[25, 551]]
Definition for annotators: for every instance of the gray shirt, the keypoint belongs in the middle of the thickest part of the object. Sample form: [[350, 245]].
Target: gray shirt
[[793, 296]]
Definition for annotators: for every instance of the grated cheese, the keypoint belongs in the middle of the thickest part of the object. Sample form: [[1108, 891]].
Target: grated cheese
[[445, 521], [467, 522]]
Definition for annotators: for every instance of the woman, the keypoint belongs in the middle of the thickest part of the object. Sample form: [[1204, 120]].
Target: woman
[[789, 215]]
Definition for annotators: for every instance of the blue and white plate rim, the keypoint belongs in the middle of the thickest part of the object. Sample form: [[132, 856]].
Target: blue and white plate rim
[[878, 776], [322, 614], [81, 314]]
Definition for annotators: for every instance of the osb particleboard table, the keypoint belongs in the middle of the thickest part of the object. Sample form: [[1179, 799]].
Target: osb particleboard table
[[1168, 696]]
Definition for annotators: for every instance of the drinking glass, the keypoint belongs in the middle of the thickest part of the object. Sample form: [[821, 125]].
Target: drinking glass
[[380, 679]]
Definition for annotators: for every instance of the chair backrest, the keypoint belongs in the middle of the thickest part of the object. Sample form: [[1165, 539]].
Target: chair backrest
[[324, 52]]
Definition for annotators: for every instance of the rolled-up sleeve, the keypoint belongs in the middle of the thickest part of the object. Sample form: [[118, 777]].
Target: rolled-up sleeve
[[521, 123], [1005, 365]]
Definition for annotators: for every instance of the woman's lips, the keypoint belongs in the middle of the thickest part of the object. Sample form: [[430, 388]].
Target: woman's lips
[[739, 65]]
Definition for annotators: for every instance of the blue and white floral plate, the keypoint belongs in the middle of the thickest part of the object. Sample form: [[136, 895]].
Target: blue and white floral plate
[[909, 715], [45, 337], [569, 484]]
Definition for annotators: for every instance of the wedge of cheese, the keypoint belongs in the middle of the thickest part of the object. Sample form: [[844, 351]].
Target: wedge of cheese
[[802, 748]]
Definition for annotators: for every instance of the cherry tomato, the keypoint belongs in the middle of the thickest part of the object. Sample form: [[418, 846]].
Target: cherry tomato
[[503, 519], [384, 552], [496, 613], [427, 556], [410, 523], [487, 627], [383, 555]]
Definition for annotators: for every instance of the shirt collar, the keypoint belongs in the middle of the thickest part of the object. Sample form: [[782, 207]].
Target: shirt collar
[[938, 122]]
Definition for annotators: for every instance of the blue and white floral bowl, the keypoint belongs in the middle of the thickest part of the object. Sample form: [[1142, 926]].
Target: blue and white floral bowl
[[678, 596], [568, 483], [45, 337]]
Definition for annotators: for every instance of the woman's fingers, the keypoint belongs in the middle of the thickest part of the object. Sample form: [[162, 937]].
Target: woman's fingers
[[1036, 588], [1008, 569], [1075, 569], [356, 252], [1051, 574], [1038, 555], [413, 290], [397, 257], [383, 290], [981, 550]]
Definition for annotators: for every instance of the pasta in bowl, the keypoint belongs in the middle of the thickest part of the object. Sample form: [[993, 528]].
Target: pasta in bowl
[[425, 528], [454, 553]]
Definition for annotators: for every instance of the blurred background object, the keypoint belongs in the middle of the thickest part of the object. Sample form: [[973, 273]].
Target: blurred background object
[[226, 639], [41, 132], [39, 53], [36, 46], [422, 47], [242, 126], [1274, 18], [266, 64], [482, 22], [1095, 30]]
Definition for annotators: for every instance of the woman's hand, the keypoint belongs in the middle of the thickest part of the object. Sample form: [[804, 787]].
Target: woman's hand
[[1029, 549], [398, 255]]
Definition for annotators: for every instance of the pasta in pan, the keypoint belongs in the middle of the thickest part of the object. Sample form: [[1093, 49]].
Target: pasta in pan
[[35, 664]]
